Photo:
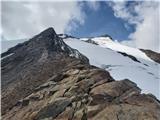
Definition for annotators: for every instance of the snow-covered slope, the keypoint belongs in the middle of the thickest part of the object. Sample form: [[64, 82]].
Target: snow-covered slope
[[105, 55], [106, 42]]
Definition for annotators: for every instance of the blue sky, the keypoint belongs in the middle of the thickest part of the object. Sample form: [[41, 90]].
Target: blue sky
[[102, 21], [134, 23]]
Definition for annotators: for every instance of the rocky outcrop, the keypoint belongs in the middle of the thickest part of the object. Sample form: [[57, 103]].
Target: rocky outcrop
[[31, 63], [48, 41], [85, 93], [91, 41], [129, 56], [153, 55], [41, 80], [65, 36], [106, 35]]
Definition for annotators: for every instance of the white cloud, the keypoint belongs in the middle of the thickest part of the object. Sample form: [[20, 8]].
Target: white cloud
[[94, 5], [145, 17], [24, 19], [131, 43]]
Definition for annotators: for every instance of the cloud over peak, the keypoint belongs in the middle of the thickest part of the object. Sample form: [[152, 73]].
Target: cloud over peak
[[145, 16], [23, 19]]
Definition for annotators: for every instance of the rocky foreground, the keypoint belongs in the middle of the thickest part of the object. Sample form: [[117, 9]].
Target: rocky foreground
[[41, 81]]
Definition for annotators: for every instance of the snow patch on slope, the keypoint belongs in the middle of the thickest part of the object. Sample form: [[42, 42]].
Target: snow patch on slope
[[119, 66], [108, 43], [7, 56]]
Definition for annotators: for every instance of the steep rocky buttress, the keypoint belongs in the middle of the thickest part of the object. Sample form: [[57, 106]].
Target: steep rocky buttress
[[45, 79]]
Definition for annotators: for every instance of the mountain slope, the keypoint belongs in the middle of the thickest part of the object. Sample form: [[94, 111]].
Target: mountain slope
[[118, 60], [85, 93], [44, 78], [29, 64]]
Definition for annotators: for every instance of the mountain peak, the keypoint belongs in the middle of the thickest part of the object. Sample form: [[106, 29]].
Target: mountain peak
[[48, 31], [106, 35], [46, 41]]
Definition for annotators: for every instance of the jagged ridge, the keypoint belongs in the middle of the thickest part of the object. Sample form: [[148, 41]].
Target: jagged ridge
[[49, 41], [29, 64], [82, 93]]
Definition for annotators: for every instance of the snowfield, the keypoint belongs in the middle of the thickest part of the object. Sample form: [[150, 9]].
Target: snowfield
[[144, 73]]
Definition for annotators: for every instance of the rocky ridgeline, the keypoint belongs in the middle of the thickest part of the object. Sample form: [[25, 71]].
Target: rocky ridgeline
[[85, 93], [53, 85], [29, 64]]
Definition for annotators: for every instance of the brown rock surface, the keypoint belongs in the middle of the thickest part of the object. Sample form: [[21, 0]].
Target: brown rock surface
[[74, 99], [32, 63], [67, 88], [153, 55]]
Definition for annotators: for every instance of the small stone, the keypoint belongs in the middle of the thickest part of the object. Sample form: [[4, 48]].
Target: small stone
[[58, 77], [84, 101], [81, 77], [36, 97], [73, 98], [18, 103], [73, 72], [78, 104], [25, 102], [51, 93]]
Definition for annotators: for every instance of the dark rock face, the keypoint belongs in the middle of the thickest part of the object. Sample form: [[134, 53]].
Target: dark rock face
[[53, 109], [32, 63], [153, 55], [64, 36], [106, 35], [91, 41], [130, 56], [41, 80]]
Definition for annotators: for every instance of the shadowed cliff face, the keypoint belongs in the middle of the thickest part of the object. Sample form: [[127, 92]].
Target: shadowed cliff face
[[44, 78]]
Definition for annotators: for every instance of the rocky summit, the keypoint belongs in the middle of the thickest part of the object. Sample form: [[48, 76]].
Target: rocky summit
[[29, 64], [45, 79]]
